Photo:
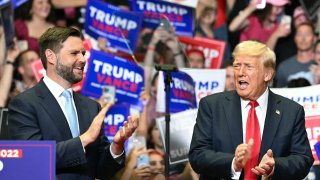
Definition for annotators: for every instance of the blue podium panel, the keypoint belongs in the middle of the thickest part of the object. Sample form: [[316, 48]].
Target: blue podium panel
[[27, 160]]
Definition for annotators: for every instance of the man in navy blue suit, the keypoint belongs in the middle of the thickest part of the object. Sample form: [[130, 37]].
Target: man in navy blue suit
[[40, 113], [220, 148]]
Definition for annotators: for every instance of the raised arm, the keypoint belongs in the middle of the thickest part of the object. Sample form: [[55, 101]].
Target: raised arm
[[240, 21]]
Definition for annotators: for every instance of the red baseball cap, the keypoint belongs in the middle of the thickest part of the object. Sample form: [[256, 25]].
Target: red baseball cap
[[195, 50]]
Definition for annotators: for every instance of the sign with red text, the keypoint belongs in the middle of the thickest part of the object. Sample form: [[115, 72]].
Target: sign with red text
[[181, 17], [106, 69], [311, 103], [213, 49], [207, 81], [120, 27], [182, 93], [28, 160], [114, 119]]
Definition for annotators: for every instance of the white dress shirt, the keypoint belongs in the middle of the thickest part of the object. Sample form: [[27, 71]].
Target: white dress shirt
[[261, 112], [56, 91]]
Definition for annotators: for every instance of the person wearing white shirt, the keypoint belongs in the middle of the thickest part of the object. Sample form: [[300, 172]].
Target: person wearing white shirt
[[250, 133]]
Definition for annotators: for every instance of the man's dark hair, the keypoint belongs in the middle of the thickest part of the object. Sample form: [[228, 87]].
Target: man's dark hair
[[300, 82], [53, 38], [307, 24]]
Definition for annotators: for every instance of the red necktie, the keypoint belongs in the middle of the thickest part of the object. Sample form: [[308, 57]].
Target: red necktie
[[252, 131]]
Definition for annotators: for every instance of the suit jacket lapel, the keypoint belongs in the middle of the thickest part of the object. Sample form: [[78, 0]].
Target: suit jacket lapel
[[232, 110], [53, 109], [271, 124]]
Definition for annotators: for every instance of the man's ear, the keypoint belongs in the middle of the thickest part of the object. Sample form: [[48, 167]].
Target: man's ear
[[268, 75], [51, 56]]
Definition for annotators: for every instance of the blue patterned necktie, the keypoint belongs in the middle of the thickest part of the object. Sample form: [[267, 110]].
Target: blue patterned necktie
[[71, 113]]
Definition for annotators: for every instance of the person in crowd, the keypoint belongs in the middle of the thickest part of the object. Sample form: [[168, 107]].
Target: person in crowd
[[154, 169], [261, 25], [163, 48], [285, 47], [24, 77], [205, 27], [299, 16], [315, 68], [229, 84], [36, 17], [298, 65], [300, 82], [196, 58], [250, 132], [52, 111]]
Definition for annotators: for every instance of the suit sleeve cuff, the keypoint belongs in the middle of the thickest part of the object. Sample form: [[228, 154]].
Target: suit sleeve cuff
[[119, 158], [234, 174]]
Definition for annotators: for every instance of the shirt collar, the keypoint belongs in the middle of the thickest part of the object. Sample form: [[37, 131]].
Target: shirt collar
[[54, 87], [262, 101]]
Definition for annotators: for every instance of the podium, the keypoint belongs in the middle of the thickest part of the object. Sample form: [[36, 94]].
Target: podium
[[27, 160]]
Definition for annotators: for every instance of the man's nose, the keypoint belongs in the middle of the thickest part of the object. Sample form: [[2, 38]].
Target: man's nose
[[242, 70]]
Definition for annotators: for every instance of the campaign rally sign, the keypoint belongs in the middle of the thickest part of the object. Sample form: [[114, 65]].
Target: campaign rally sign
[[182, 93], [37, 69], [114, 119], [120, 27], [189, 3], [181, 130], [181, 17], [311, 103], [213, 49], [207, 81], [106, 69], [27, 160]]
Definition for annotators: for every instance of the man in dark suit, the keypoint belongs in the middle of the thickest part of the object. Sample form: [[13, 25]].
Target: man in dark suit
[[227, 145], [43, 113]]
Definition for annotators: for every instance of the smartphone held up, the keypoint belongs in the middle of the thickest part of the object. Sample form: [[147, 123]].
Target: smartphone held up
[[109, 93]]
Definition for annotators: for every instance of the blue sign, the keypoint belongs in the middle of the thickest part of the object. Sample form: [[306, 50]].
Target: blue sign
[[114, 119], [3, 2], [118, 26], [27, 160], [182, 92], [181, 17], [106, 69], [17, 3]]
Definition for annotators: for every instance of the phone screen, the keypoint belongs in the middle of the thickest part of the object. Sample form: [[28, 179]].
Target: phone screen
[[164, 22], [142, 160], [109, 93]]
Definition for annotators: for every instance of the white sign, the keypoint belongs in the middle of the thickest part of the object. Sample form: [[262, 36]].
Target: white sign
[[207, 81], [181, 130]]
